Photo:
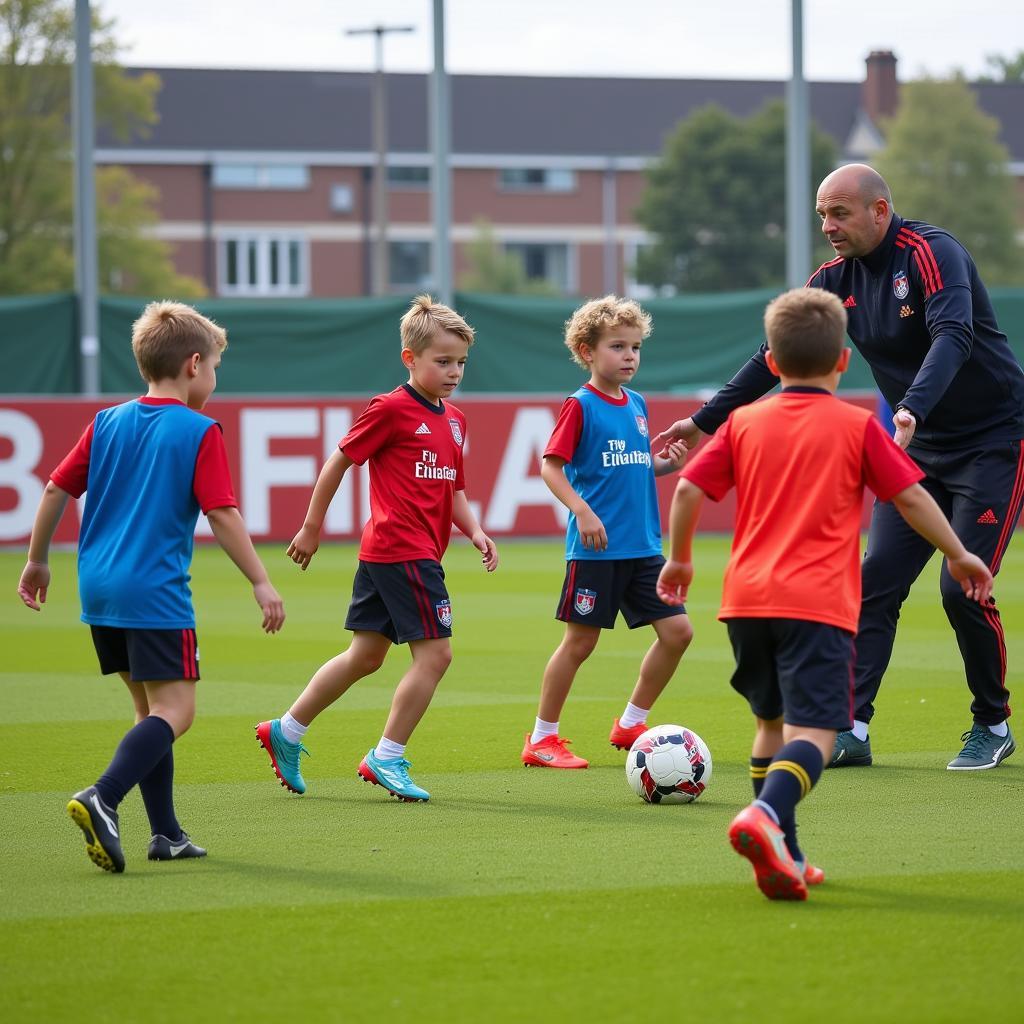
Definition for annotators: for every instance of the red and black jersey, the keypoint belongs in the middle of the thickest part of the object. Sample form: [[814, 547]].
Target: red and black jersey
[[414, 449], [921, 317]]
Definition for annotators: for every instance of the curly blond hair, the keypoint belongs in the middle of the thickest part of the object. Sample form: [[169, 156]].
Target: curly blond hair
[[425, 317], [593, 318]]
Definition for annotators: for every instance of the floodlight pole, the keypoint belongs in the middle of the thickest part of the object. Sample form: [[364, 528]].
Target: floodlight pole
[[798, 161], [86, 255], [380, 145], [441, 181]]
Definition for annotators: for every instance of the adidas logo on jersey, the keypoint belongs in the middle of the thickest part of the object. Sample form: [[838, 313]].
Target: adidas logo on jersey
[[423, 429], [988, 517], [850, 302]]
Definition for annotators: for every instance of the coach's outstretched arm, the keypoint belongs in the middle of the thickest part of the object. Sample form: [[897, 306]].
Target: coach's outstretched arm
[[919, 509]]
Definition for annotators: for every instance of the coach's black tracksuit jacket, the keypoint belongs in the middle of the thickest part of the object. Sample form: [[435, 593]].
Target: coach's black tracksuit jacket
[[921, 317]]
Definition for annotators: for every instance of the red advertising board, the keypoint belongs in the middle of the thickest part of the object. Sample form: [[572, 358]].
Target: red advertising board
[[276, 448]]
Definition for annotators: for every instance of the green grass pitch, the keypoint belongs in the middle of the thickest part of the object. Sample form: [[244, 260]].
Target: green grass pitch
[[514, 895]]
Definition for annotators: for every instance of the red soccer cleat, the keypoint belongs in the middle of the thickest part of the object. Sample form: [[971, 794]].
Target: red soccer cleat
[[813, 875], [550, 752], [622, 738], [755, 836]]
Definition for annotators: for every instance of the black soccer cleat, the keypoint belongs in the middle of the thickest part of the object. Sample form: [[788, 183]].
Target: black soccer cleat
[[100, 826], [162, 848]]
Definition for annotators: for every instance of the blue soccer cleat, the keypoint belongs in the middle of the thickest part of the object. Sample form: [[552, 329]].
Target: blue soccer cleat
[[100, 826], [393, 775], [284, 756]]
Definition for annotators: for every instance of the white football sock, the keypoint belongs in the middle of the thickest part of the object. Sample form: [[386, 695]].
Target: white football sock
[[388, 751], [293, 730], [999, 730], [860, 730], [632, 716], [542, 729]]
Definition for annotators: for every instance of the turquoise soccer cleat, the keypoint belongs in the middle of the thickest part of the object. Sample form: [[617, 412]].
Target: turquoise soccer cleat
[[284, 756], [393, 775]]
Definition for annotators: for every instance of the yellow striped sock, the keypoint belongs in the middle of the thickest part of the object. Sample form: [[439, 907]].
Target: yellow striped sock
[[794, 769]]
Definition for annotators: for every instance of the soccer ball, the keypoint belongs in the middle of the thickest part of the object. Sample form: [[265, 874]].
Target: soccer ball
[[668, 765]]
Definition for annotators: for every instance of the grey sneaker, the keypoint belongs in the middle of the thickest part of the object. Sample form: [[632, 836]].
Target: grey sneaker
[[850, 752], [162, 848], [982, 749]]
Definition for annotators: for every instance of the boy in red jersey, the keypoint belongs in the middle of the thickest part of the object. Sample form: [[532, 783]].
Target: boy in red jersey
[[413, 440], [791, 595], [149, 466]]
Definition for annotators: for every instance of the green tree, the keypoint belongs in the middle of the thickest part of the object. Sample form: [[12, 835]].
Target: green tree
[[716, 201], [1006, 69], [36, 184], [496, 271], [945, 165]]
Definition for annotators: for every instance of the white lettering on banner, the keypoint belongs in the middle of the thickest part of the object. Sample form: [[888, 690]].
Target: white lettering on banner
[[261, 471], [17, 473], [519, 483], [340, 514]]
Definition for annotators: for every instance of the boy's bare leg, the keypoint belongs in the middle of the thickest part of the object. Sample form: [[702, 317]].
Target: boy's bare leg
[[577, 645], [138, 693], [662, 659], [174, 701], [364, 656], [768, 739], [430, 661]]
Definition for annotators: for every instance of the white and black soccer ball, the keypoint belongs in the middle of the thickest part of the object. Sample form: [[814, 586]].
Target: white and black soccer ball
[[668, 764]]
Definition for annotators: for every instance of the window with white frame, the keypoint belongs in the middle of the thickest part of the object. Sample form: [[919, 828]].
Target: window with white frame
[[409, 265], [536, 179], [265, 176], [263, 263], [544, 261]]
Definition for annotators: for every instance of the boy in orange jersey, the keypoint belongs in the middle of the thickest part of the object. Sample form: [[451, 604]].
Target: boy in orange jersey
[[791, 596]]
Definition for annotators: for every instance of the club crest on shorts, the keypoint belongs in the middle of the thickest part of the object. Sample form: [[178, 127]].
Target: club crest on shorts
[[456, 431], [900, 284], [444, 613], [585, 600], [641, 425]]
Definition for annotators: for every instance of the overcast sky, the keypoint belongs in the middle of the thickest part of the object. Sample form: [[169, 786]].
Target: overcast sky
[[662, 38]]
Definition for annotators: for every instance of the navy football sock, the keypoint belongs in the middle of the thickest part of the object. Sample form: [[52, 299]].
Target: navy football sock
[[758, 772], [791, 775], [143, 747], [157, 790]]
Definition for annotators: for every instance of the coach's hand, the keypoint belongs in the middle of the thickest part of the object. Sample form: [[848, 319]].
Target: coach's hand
[[304, 546], [682, 430], [905, 424], [674, 582]]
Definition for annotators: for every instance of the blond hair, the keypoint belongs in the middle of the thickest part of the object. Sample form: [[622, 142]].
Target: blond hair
[[805, 328], [168, 333], [424, 318], [593, 318]]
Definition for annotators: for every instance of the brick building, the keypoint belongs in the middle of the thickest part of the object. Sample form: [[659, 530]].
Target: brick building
[[265, 176]]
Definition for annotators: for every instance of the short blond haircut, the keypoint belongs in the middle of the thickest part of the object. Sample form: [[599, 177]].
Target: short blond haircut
[[168, 333], [593, 318], [806, 330], [425, 318]]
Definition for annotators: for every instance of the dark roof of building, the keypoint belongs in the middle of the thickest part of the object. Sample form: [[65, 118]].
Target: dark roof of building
[[224, 109]]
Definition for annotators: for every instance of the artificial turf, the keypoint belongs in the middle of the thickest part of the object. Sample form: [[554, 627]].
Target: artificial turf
[[513, 894]]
